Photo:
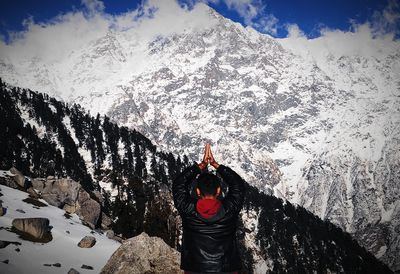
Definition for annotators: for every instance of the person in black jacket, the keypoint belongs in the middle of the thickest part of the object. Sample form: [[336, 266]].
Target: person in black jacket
[[209, 243]]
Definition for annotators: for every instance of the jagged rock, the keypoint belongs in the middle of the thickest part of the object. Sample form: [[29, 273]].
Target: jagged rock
[[73, 271], [70, 209], [143, 254], [60, 192], [36, 227], [87, 242], [18, 177], [67, 194], [38, 184], [88, 208], [106, 221]]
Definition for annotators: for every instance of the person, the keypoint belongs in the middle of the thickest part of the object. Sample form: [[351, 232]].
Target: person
[[209, 243]]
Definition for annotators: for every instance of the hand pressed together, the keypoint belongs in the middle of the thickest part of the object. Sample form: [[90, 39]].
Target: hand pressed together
[[208, 158]]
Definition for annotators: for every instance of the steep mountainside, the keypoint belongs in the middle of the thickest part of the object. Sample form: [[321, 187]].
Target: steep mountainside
[[42, 136], [316, 126]]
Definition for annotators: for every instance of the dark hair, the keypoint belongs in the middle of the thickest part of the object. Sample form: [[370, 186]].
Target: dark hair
[[208, 183]]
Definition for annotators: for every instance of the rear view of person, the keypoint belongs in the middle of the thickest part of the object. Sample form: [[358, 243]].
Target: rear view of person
[[209, 243]]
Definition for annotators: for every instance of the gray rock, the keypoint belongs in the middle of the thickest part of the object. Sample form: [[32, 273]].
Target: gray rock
[[19, 178], [38, 184], [87, 242], [110, 234], [88, 209], [36, 227], [106, 221], [7, 181], [73, 271], [60, 192], [143, 254]]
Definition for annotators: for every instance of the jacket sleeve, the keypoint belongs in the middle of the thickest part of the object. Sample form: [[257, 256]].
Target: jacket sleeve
[[184, 203], [233, 202]]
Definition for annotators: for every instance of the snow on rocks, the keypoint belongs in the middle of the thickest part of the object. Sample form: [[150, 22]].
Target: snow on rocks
[[59, 255]]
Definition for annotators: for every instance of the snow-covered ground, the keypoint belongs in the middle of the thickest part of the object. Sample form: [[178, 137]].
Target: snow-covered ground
[[61, 249]]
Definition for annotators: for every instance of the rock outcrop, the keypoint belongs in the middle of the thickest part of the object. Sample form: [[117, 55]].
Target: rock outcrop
[[19, 178], [88, 209], [67, 194], [38, 228], [143, 254]]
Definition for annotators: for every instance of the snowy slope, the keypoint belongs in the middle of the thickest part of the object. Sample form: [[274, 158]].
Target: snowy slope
[[313, 121], [62, 249]]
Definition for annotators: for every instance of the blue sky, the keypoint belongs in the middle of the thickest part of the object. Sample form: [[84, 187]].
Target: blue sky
[[269, 17]]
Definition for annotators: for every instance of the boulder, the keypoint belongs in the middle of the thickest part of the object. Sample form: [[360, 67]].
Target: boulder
[[106, 221], [87, 242], [38, 184], [69, 195], [88, 209], [110, 234], [38, 228], [143, 254], [60, 192], [18, 177]]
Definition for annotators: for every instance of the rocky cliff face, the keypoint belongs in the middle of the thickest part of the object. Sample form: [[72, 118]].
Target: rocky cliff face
[[315, 126]]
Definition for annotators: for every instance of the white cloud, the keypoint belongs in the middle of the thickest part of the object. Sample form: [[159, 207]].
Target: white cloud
[[294, 31], [267, 24], [93, 6], [247, 9], [56, 38], [375, 38]]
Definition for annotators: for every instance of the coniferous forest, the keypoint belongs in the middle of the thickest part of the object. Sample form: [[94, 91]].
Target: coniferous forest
[[42, 136]]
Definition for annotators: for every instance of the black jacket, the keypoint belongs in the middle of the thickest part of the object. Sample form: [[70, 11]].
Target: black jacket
[[209, 245]]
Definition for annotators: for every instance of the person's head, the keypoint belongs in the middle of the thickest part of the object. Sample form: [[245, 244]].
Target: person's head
[[208, 186]]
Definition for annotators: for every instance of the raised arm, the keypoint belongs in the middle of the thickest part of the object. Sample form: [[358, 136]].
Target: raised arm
[[233, 202], [184, 203]]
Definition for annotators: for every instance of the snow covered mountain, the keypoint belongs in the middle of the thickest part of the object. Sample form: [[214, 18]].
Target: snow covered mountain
[[123, 183], [313, 121]]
